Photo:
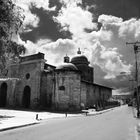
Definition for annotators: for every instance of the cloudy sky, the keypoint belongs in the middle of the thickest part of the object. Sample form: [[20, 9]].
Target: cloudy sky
[[100, 28]]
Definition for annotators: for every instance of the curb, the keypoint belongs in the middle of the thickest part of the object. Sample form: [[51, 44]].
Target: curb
[[14, 127], [20, 126]]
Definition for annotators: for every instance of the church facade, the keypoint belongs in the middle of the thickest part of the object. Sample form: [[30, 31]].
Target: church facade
[[34, 84]]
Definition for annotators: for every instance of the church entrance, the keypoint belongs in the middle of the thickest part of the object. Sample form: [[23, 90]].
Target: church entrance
[[3, 94], [26, 97]]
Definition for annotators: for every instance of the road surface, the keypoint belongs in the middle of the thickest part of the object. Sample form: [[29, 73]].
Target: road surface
[[118, 124]]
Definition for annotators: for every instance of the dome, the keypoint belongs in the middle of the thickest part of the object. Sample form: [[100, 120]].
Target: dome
[[66, 66], [79, 59]]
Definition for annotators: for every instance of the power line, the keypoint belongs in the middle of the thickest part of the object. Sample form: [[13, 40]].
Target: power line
[[136, 50]]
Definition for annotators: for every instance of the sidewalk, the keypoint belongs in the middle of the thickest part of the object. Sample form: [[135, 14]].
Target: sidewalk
[[10, 119]]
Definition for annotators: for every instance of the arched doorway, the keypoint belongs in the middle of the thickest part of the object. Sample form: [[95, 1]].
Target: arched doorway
[[3, 94], [26, 97]]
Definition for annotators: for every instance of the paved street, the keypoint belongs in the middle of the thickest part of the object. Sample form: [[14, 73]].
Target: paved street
[[118, 124]]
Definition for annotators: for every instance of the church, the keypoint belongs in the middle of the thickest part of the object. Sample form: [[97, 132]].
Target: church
[[31, 83]]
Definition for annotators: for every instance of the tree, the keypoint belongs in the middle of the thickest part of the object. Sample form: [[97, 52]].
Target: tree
[[11, 19]]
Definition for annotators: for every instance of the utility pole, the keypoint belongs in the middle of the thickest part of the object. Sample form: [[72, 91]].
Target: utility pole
[[136, 50]]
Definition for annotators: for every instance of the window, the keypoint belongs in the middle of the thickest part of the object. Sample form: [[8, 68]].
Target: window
[[61, 88], [27, 76]]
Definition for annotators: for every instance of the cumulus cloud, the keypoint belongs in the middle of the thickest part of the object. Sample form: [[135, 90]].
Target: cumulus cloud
[[30, 18], [109, 19], [130, 27], [69, 2], [101, 35], [114, 33], [75, 19], [110, 61]]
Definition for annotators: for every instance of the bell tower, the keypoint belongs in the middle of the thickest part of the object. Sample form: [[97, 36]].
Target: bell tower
[[66, 59], [82, 63]]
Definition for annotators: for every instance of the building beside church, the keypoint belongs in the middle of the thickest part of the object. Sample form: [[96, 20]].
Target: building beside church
[[32, 83]]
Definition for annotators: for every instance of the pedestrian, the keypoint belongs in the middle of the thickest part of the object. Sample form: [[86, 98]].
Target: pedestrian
[[66, 114], [37, 117]]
